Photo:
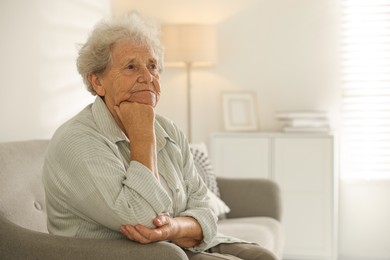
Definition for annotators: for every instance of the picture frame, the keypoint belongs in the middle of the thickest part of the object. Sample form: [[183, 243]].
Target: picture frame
[[240, 111]]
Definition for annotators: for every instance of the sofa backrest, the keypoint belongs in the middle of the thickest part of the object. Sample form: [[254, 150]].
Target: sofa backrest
[[22, 196]]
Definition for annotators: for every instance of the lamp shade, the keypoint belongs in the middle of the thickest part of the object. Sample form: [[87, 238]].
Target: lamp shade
[[190, 43]]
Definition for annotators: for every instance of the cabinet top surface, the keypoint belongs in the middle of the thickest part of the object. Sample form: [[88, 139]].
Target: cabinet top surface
[[272, 134]]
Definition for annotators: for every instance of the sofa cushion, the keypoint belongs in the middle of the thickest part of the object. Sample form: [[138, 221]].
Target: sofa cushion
[[264, 231], [22, 196]]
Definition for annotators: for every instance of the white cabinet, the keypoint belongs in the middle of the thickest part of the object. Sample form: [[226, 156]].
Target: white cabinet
[[304, 167], [247, 156]]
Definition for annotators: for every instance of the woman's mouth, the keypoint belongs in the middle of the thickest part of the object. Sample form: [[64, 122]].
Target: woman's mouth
[[146, 96]]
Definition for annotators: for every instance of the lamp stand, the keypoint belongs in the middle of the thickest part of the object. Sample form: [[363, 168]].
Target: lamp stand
[[188, 67]]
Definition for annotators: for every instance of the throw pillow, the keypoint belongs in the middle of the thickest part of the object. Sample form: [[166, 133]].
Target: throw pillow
[[204, 167], [205, 170]]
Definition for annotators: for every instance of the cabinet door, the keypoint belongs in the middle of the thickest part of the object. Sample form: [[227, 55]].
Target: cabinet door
[[304, 171], [241, 156]]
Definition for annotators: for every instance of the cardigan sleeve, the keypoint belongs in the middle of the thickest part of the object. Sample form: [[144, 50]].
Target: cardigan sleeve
[[95, 185], [198, 202]]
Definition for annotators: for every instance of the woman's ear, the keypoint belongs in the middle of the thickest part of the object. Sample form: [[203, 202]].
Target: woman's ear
[[97, 84]]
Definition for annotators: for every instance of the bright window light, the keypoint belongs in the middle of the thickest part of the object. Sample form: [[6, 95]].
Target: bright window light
[[365, 147]]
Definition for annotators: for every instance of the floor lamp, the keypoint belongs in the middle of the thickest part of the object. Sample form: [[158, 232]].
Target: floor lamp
[[192, 45]]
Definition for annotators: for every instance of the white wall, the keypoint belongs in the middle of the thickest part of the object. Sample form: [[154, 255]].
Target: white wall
[[364, 222], [284, 50], [39, 82]]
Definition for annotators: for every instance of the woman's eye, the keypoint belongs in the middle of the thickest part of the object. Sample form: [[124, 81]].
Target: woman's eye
[[153, 66], [131, 67]]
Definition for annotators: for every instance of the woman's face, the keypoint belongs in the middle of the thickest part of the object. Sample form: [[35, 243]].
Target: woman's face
[[132, 77]]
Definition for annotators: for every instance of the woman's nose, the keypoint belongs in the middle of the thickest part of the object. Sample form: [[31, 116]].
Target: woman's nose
[[145, 76]]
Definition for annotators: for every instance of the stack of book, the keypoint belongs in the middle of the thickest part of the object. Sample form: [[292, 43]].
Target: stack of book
[[304, 121]]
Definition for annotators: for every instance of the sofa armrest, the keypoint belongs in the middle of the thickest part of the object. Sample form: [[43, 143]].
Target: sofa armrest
[[19, 243], [251, 197]]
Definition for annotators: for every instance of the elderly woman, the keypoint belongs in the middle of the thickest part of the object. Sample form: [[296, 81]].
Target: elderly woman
[[117, 170]]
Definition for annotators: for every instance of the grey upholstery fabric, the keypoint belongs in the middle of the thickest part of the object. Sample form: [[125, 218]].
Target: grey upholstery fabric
[[23, 232], [22, 197], [265, 231], [251, 197]]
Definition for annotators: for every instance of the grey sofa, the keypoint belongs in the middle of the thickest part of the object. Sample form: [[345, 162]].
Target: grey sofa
[[255, 215]]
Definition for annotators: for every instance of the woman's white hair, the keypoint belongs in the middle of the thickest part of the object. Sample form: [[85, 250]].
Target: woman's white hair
[[95, 55]]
